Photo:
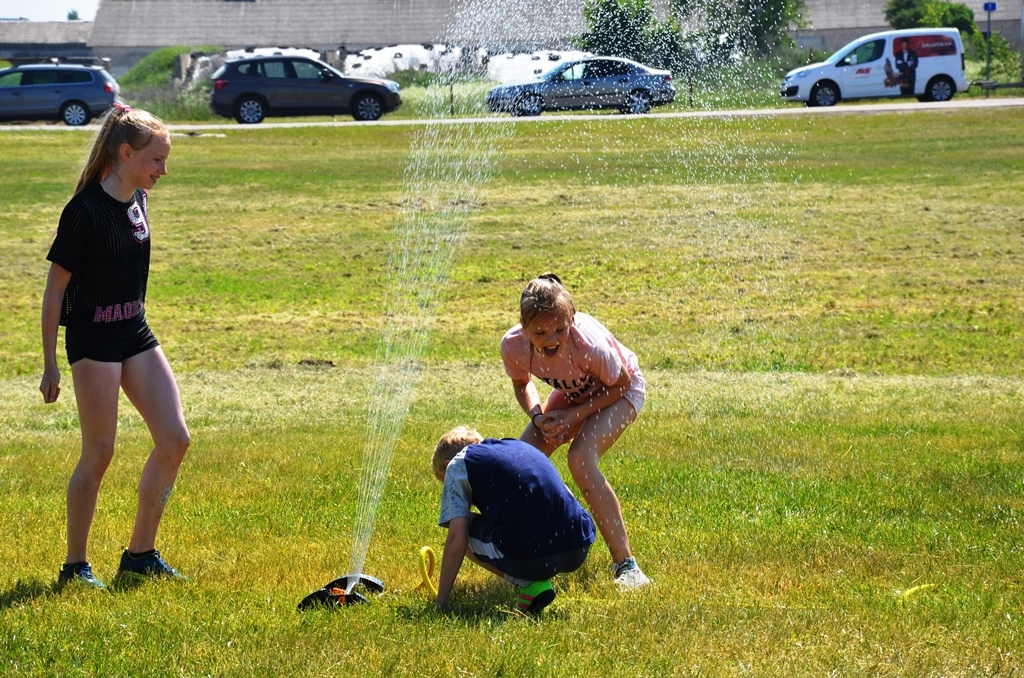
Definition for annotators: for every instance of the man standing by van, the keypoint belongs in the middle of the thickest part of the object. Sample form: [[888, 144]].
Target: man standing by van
[[906, 64]]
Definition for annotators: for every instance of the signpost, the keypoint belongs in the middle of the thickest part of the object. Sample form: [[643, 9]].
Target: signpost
[[989, 7], [987, 83]]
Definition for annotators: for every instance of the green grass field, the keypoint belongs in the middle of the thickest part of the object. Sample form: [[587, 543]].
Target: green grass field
[[827, 479]]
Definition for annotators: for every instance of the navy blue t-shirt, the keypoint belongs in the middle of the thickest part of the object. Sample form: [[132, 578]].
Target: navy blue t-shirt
[[530, 510]]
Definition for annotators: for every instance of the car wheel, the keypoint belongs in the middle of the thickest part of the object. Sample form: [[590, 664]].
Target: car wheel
[[367, 107], [529, 105], [250, 110], [940, 88], [75, 113], [824, 94], [637, 103]]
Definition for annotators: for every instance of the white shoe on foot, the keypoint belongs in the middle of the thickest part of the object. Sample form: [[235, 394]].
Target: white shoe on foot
[[628, 574]]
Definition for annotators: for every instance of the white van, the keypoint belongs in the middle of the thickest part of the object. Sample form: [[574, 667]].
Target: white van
[[924, 62]]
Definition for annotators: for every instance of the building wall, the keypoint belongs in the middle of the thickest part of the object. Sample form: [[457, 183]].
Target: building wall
[[833, 23], [322, 24]]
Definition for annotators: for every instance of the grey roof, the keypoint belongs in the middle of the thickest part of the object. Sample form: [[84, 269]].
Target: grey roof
[[327, 24], [324, 23], [45, 32]]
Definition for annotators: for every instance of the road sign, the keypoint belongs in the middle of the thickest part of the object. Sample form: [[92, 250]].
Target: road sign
[[989, 6]]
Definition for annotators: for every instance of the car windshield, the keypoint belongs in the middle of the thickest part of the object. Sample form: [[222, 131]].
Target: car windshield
[[332, 69], [548, 75]]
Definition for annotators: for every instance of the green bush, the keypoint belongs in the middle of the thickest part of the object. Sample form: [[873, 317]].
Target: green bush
[[1005, 62], [158, 69], [150, 85]]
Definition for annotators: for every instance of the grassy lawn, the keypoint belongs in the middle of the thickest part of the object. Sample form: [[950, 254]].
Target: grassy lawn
[[828, 477]]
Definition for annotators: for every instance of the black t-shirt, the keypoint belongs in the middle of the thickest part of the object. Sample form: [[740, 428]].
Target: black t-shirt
[[105, 244]]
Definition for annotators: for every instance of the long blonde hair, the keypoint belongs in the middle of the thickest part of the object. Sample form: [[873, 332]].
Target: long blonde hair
[[119, 125], [543, 295]]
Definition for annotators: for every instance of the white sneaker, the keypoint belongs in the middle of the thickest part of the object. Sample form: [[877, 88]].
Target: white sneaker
[[628, 574]]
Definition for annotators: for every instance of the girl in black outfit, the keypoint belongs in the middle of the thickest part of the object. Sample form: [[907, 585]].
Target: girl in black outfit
[[96, 288]]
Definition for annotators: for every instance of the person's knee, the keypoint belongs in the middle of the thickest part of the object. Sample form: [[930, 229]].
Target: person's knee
[[532, 436], [182, 440], [96, 456], [175, 443], [583, 467]]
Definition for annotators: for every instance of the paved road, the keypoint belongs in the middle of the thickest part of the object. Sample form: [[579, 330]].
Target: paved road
[[903, 106]]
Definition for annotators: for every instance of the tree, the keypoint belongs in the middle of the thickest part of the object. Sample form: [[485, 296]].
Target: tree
[[958, 15], [628, 28], [755, 26], [906, 13], [926, 13], [667, 49], [73, 15], [725, 29], [617, 28]]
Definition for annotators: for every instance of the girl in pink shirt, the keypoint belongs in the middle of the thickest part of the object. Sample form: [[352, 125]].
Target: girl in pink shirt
[[597, 391]]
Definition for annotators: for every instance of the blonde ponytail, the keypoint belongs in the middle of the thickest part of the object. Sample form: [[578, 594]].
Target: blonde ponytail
[[121, 124]]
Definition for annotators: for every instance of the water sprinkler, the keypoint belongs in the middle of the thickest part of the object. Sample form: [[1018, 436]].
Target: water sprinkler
[[342, 591]]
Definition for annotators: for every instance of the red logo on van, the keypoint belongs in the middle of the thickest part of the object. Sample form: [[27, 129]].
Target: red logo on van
[[863, 71], [926, 45]]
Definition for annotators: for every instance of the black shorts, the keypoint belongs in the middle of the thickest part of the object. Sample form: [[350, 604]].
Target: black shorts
[[539, 569], [110, 343], [534, 569]]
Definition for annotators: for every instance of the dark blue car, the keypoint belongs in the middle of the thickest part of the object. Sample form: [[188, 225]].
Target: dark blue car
[[74, 93]]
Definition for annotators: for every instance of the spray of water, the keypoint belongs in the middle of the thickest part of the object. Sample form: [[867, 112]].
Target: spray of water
[[448, 167]]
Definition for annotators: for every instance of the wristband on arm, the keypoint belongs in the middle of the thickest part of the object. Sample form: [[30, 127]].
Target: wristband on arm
[[533, 418]]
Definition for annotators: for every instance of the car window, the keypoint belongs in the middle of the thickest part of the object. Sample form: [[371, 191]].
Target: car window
[[264, 69], [274, 69], [75, 76], [10, 79], [605, 69], [574, 72], [866, 53], [306, 71], [41, 77], [875, 53]]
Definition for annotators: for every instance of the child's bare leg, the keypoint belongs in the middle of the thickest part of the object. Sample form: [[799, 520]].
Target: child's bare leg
[[603, 503], [96, 392], [149, 384], [598, 433]]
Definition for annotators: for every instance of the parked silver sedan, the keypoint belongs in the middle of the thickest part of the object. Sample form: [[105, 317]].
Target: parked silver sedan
[[591, 83]]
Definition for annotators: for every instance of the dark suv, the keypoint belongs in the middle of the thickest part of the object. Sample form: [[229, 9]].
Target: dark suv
[[252, 88], [73, 93]]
